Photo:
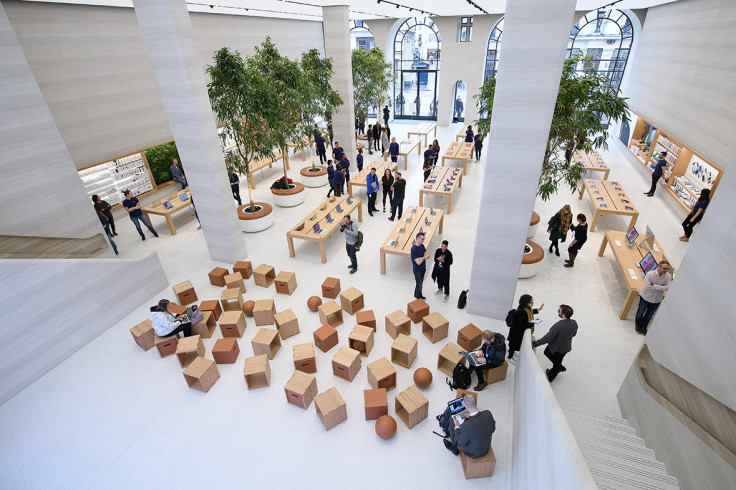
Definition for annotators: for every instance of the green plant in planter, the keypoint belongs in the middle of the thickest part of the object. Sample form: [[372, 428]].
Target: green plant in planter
[[159, 160], [371, 80], [585, 104]]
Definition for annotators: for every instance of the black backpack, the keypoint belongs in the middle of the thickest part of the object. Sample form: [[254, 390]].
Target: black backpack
[[358, 241], [510, 318], [462, 299], [460, 377]]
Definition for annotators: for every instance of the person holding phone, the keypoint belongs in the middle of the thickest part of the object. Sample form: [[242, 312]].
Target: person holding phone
[[441, 270], [521, 319]]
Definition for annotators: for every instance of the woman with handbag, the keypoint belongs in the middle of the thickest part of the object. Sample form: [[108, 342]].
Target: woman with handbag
[[558, 226], [386, 182]]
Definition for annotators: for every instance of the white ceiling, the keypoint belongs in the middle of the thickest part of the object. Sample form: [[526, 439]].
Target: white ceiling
[[359, 9]]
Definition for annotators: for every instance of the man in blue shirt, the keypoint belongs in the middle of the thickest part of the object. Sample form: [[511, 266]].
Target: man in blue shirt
[[177, 174], [337, 152], [372, 188], [359, 159], [393, 150], [478, 146], [330, 177], [419, 256], [319, 142], [133, 206], [657, 173], [469, 135], [235, 187]]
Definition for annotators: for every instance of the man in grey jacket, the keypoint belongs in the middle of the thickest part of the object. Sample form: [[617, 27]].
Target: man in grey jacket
[[472, 436], [351, 236], [559, 340]]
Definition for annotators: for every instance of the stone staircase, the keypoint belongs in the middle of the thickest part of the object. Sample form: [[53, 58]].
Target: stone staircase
[[616, 456]]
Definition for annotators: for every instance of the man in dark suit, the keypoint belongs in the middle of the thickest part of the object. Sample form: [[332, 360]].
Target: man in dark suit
[[474, 435]]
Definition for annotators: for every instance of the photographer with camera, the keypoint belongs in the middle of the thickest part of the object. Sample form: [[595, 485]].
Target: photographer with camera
[[351, 235]]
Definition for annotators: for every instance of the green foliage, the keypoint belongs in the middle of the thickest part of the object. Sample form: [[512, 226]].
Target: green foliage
[[371, 80], [484, 101], [159, 160], [320, 96]]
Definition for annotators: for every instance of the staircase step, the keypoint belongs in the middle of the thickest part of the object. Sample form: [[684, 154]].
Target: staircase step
[[644, 458], [610, 478], [589, 438], [633, 469], [602, 424], [611, 435], [607, 418]]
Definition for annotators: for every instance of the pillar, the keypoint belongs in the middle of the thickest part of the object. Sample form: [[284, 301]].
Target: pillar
[[534, 42], [336, 28], [167, 33]]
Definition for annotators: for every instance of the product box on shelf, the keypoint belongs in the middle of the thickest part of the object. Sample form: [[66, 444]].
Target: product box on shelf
[[109, 179]]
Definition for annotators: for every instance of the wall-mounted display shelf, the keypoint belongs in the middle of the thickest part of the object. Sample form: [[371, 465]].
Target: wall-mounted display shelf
[[109, 179]]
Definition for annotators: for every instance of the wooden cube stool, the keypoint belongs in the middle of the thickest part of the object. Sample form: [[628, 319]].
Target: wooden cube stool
[[207, 326], [264, 275], [411, 406], [266, 342], [381, 374], [366, 318], [325, 337], [469, 337], [286, 324], [346, 363], [331, 313], [257, 372], [301, 389], [201, 374], [166, 345], [285, 282], [176, 309], [235, 281], [478, 467], [404, 351], [494, 375], [231, 300], [143, 334], [331, 408], [461, 392], [188, 349], [225, 351], [244, 267], [184, 292], [435, 327], [212, 306], [264, 312], [417, 310], [361, 339], [331, 287], [375, 402], [232, 324], [217, 276], [304, 358], [351, 300], [398, 323], [448, 358]]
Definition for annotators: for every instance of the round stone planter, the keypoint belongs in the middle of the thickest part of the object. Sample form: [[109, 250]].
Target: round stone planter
[[360, 146], [533, 224], [260, 220], [286, 198], [531, 262], [314, 177]]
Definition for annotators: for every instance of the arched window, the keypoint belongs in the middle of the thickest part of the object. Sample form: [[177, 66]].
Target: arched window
[[417, 48], [493, 51], [361, 36], [606, 36]]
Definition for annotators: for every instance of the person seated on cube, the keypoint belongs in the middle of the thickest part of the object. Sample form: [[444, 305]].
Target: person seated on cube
[[164, 322], [473, 435], [491, 354]]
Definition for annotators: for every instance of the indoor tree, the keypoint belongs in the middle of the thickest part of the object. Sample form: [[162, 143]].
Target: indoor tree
[[585, 104], [371, 80]]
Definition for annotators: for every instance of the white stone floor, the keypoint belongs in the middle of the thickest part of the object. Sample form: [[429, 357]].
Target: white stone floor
[[114, 416]]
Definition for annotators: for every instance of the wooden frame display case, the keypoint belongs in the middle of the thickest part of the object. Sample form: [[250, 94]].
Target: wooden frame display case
[[110, 178]]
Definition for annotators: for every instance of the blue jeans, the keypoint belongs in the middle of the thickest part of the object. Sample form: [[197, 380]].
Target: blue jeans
[[183, 183], [371, 203], [644, 313], [419, 278], [351, 253], [142, 217], [397, 203]]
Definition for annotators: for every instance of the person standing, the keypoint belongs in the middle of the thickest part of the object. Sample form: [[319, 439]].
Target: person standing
[[330, 133], [361, 126], [386, 114], [469, 135], [133, 206], [177, 174], [351, 236], [581, 236], [235, 186], [657, 173], [557, 227], [435, 152], [384, 141], [319, 143], [419, 256], [559, 341], [359, 159], [338, 180], [656, 282], [397, 203], [106, 210], [388, 130], [441, 270], [458, 108], [387, 181], [393, 150], [491, 355], [696, 214], [521, 320], [369, 135], [418, 104], [376, 136], [337, 152], [106, 226], [330, 177], [427, 168], [371, 181], [345, 164], [478, 146]]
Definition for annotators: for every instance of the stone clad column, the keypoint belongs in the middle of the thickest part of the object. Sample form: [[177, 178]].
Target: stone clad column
[[336, 29], [535, 38], [167, 32]]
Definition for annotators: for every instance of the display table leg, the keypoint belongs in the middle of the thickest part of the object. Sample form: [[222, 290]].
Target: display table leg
[[582, 188], [460, 182], [421, 198], [350, 190], [383, 262], [449, 203], [602, 248], [406, 159], [360, 212], [465, 167], [595, 219], [442, 222], [385, 157], [290, 243], [627, 304], [322, 251], [633, 220], [443, 161], [170, 222]]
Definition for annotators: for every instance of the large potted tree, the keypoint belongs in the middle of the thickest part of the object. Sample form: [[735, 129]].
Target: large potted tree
[[371, 80], [242, 100]]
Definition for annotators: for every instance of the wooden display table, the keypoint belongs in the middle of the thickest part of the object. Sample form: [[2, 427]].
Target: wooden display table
[[177, 205], [331, 408], [461, 152], [448, 358], [442, 182], [404, 351], [609, 197], [359, 179], [400, 240], [405, 148], [460, 136], [628, 259], [304, 230], [257, 372], [301, 389], [381, 374], [304, 358], [411, 406], [592, 162], [423, 130]]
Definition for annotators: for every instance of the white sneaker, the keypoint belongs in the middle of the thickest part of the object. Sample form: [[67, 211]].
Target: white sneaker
[[447, 298], [439, 291]]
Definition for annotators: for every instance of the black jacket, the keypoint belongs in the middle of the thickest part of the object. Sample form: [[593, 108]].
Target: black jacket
[[554, 227], [475, 434], [399, 188], [520, 323], [376, 131], [441, 272], [495, 352]]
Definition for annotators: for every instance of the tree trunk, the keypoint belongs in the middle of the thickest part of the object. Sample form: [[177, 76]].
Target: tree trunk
[[312, 149], [285, 157], [250, 197]]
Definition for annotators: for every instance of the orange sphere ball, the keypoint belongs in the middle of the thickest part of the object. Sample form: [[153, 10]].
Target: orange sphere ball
[[423, 377], [385, 427], [248, 307], [314, 302]]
